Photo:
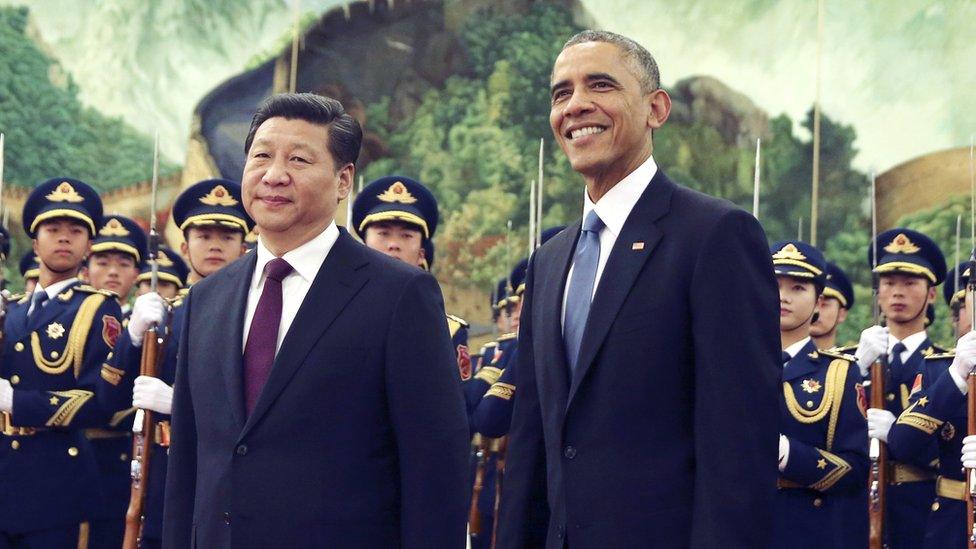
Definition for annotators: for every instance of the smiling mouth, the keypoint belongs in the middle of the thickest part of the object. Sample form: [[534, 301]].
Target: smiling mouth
[[583, 132]]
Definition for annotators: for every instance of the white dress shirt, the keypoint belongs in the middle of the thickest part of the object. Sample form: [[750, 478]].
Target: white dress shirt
[[792, 350], [306, 260], [912, 343], [52, 291], [613, 209]]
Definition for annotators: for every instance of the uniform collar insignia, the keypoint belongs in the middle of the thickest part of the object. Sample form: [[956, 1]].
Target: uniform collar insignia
[[397, 192], [219, 196], [114, 227], [789, 252], [64, 193], [928, 351], [65, 296], [813, 354], [901, 245]]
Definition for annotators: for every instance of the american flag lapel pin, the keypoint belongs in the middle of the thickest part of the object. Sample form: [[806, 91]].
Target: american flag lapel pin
[[637, 246]]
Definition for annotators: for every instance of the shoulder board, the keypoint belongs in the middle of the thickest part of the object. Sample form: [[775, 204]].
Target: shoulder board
[[942, 356], [939, 349], [16, 297], [459, 320], [93, 290], [834, 353], [507, 337], [844, 349], [24, 299]]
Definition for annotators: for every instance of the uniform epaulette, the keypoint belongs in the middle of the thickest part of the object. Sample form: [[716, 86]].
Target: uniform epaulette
[[951, 353], [16, 298], [507, 337], [93, 290], [459, 320], [833, 353], [844, 349]]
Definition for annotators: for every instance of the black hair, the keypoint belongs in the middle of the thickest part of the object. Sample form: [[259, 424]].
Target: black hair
[[345, 133]]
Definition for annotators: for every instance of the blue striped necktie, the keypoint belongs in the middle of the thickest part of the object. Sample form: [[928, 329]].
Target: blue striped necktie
[[580, 294]]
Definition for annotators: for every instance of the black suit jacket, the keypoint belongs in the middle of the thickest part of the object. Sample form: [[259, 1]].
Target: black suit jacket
[[359, 438], [667, 435]]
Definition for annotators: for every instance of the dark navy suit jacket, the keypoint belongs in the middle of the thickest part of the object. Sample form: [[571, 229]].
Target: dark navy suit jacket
[[667, 434], [359, 438]]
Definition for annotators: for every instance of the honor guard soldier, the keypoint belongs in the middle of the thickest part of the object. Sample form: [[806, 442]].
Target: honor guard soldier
[[502, 319], [823, 458], [251, 240], [838, 298], [910, 267], [116, 252], [938, 414], [212, 217], [171, 272], [398, 216], [30, 269], [56, 340]]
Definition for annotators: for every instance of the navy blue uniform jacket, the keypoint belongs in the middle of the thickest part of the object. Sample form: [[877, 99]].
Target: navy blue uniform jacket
[[667, 434], [359, 438]]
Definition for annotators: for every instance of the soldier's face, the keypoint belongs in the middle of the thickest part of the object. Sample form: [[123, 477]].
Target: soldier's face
[[163, 288], [903, 297], [113, 271], [292, 185], [399, 240], [61, 245], [831, 316], [599, 114], [798, 300], [209, 248]]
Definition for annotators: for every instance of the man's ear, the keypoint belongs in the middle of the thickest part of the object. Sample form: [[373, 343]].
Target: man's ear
[[346, 176]]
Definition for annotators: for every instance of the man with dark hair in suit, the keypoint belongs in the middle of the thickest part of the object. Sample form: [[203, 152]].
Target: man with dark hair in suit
[[317, 400], [648, 376]]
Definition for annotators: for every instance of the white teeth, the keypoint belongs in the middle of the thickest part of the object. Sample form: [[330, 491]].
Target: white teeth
[[589, 130]]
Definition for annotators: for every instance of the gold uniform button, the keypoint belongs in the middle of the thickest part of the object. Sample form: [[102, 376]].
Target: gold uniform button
[[109, 357], [935, 506], [890, 396], [18, 346], [15, 444], [818, 502], [72, 451], [124, 457], [14, 379], [55, 354], [809, 404]]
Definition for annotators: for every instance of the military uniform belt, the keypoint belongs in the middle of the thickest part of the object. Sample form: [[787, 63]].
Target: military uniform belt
[[949, 488], [900, 473], [786, 483], [99, 434], [11, 430]]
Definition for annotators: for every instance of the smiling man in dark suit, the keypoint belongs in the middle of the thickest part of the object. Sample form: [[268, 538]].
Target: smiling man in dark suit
[[317, 401], [647, 406]]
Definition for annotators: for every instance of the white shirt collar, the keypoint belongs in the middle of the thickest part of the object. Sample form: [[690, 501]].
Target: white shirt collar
[[792, 350], [614, 207], [306, 259], [912, 343], [57, 287]]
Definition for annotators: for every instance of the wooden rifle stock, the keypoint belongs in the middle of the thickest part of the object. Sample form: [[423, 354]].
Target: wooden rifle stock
[[474, 515], [500, 451], [878, 477], [971, 473], [142, 444]]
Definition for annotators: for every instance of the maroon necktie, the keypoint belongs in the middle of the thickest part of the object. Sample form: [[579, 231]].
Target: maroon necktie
[[259, 352]]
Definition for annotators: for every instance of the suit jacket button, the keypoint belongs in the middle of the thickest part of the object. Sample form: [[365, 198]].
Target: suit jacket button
[[569, 452], [818, 502], [227, 518], [242, 450]]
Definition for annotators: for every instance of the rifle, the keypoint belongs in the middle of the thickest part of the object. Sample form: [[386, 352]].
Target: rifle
[[500, 450], [482, 455], [143, 433], [971, 379], [4, 294], [878, 475]]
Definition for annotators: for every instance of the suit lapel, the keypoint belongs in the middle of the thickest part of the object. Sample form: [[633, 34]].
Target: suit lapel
[[50, 311], [623, 266], [803, 364], [338, 280], [232, 362], [16, 322], [551, 287]]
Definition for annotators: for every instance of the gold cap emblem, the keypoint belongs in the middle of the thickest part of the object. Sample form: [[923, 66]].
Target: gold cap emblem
[[397, 193], [114, 227], [219, 196], [789, 252], [162, 260], [65, 193], [901, 245]]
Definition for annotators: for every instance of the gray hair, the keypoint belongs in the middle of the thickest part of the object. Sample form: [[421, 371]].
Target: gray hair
[[641, 60]]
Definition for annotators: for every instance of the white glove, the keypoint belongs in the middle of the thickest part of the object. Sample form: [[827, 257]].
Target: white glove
[[969, 452], [784, 452], [6, 396], [879, 423], [873, 343], [151, 393], [149, 309], [965, 355]]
